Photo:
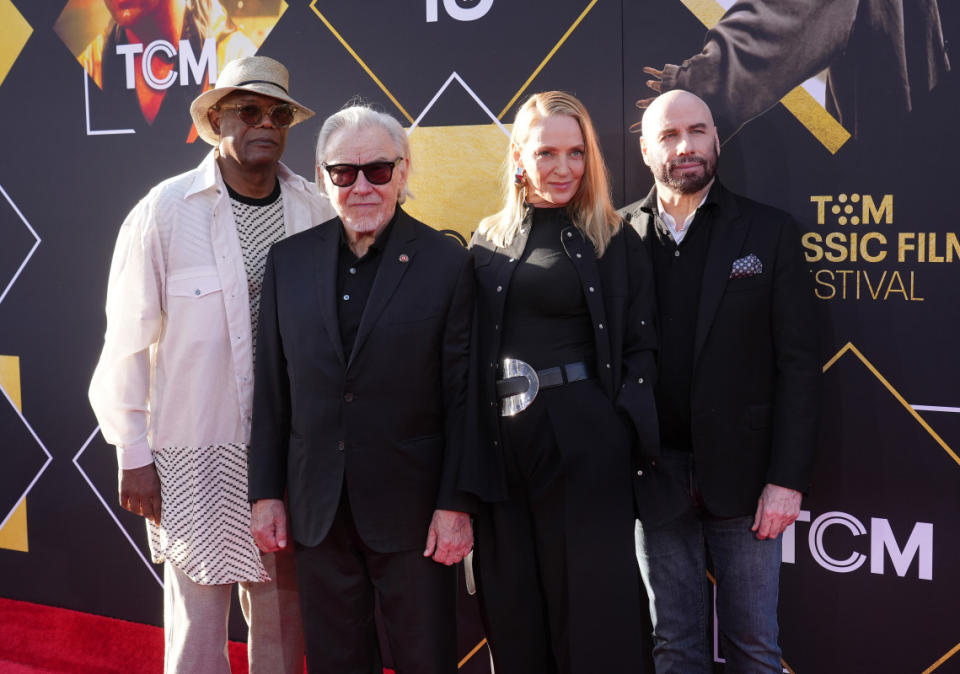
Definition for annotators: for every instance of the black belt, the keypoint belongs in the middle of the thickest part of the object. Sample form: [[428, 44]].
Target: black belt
[[522, 383], [550, 377]]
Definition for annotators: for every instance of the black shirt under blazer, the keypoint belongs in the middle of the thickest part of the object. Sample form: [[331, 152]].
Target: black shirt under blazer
[[618, 289], [386, 420], [755, 394]]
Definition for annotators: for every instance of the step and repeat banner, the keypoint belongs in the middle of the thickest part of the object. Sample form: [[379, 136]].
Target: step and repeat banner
[[843, 112]]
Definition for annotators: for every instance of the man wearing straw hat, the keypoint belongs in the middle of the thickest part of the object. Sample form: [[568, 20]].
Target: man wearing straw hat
[[174, 383]]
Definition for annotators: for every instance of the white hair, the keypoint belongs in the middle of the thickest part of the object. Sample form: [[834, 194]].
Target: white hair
[[363, 116]]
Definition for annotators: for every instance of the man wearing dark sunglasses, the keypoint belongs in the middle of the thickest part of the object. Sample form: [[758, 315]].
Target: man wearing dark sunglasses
[[174, 386], [359, 410]]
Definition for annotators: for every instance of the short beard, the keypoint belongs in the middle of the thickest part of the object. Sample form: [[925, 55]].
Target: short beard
[[689, 184], [361, 225]]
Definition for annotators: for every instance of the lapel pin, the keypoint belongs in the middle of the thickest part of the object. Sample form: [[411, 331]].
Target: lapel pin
[[404, 257]]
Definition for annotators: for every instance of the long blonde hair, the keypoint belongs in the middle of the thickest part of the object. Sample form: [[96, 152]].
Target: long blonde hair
[[590, 209]]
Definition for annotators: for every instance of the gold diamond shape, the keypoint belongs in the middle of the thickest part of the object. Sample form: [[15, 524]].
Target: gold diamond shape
[[14, 33], [462, 160]]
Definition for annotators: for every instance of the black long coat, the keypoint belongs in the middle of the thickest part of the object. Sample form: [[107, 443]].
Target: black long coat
[[604, 610], [618, 288]]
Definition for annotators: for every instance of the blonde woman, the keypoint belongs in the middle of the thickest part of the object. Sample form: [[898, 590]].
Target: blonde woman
[[562, 400]]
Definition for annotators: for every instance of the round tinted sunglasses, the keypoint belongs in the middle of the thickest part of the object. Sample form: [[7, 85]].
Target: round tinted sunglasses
[[281, 115], [376, 172]]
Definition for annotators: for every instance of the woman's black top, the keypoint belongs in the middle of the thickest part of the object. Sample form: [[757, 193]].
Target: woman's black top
[[546, 321]]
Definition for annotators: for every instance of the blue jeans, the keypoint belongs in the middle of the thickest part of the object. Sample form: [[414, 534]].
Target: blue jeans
[[672, 560]]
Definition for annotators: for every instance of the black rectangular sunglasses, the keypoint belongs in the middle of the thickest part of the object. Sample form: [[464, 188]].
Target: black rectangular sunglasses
[[376, 172]]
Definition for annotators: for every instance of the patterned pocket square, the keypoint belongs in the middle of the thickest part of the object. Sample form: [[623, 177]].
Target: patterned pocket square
[[749, 265]]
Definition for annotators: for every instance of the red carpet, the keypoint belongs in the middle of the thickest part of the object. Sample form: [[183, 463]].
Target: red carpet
[[36, 638]]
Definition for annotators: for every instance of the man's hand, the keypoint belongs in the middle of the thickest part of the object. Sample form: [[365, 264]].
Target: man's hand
[[449, 537], [140, 492], [777, 509], [268, 524], [655, 84]]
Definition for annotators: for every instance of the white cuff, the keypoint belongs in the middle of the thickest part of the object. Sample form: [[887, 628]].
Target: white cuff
[[136, 455]]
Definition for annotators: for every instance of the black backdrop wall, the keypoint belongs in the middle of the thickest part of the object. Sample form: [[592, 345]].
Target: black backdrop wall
[[869, 575]]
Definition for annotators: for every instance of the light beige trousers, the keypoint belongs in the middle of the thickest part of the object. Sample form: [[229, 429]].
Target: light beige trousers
[[196, 616]]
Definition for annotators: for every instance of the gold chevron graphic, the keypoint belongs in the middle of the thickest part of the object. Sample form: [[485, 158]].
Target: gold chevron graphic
[[946, 656], [850, 348], [14, 33], [393, 99], [363, 64], [547, 58], [13, 536], [473, 651]]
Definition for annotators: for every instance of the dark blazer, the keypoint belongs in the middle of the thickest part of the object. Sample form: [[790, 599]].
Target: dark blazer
[[755, 394], [618, 288], [385, 420]]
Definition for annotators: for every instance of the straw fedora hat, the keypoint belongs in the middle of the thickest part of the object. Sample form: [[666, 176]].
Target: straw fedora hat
[[257, 74]]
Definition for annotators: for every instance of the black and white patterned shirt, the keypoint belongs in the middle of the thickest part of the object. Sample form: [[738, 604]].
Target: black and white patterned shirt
[[259, 226]]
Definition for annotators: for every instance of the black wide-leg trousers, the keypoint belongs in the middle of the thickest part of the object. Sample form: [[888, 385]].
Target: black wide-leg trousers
[[555, 563]]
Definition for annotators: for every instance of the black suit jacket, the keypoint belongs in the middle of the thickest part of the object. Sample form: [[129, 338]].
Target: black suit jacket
[[385, 420], [755, 394], [618, 289]]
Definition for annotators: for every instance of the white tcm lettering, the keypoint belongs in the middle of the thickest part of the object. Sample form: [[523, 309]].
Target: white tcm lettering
[[189, 64], [456, 11], [883, 544]]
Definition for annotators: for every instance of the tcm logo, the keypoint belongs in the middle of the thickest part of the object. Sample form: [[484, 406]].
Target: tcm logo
[[884, 545], [855, 209], [457, 12], [189, 64]]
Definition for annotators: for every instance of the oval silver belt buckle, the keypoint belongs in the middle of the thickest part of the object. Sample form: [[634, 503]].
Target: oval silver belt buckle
[[518, 402]]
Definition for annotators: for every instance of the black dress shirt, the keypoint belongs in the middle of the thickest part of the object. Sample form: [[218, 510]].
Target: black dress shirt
[[355, 277]]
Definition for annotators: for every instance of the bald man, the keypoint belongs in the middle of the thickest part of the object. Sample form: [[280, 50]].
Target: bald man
[[737, 395]]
